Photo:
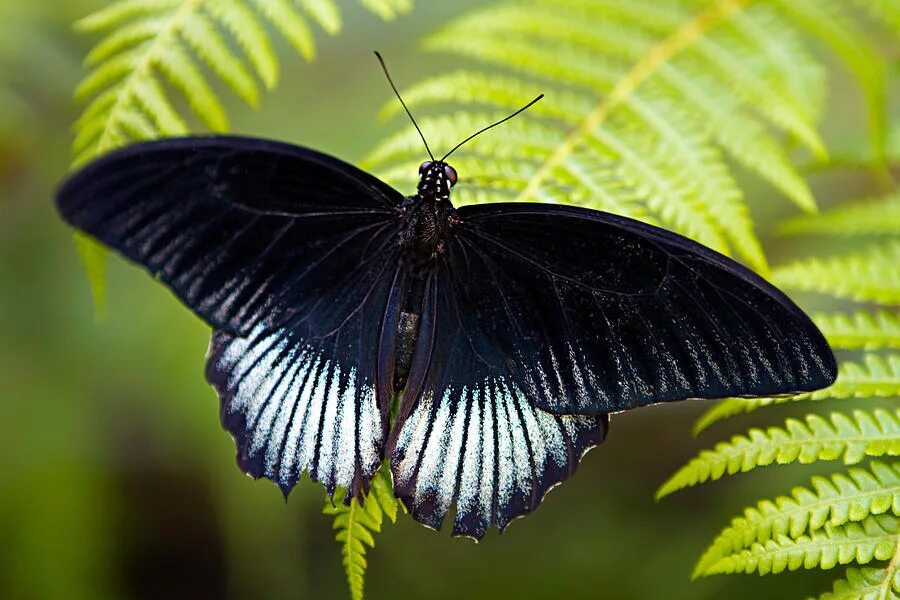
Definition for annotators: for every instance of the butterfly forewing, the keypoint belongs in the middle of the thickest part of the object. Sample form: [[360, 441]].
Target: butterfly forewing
[[594, 313], [244, 231]]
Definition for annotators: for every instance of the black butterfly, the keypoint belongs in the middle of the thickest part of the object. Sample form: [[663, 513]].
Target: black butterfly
[[513, 329]]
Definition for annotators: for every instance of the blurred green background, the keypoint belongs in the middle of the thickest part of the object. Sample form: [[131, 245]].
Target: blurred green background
[[117, 480]]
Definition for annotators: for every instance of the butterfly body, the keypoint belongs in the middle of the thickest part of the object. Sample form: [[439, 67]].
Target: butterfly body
[[512, 329], [428, 217]]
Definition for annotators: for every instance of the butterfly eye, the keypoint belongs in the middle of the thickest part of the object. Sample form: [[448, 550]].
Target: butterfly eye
[[450, 172], [424, 166]]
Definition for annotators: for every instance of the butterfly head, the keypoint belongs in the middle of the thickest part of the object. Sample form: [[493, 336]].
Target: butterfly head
[[435, 180], [435, 176]]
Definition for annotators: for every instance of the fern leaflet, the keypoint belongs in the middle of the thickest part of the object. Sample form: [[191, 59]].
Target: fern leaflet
[[861, 330], [356, 524], [865, 584], [870, 275], [850, 438], [873, 217], [837, 29]]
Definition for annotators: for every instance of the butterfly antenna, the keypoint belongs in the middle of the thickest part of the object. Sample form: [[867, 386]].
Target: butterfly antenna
[[411, 118], [480, 131]]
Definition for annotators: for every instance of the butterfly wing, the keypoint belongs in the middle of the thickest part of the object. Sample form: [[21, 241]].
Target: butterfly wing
[[304, 396], [539, 320], [466, 432], [596, 313], [238, 228], [291, 256]]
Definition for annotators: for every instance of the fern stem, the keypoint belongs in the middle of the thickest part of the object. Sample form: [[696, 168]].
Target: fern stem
[[349, 547], [655, 58]]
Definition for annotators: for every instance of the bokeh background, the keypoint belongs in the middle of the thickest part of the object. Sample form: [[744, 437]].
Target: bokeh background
[[116, 480]]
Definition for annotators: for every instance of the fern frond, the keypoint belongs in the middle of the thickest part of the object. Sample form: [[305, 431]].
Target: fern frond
[[356, 525], [880, 216], [149, 42], [869, 275], [877, 376], [127, 69], [834, 500], [849, 438], [873, 538], [861, 330], [836, 29], [651, 94], [865, 584]]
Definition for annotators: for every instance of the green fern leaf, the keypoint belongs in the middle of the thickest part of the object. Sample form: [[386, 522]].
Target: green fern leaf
[[648, 95], [288, 20], [848, 438], [325, 13], [183, 72], [861, 330], [871, 275], [123, 38], [356, 525], [95, 265], [836, 500], [877, 377], [244, 24], [874, 538], [864, 584], [204, 38], [835, 28], [872, 217], [388, 9], [120, 12]]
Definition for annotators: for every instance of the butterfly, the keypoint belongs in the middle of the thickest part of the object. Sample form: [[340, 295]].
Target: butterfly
[[512, 330]]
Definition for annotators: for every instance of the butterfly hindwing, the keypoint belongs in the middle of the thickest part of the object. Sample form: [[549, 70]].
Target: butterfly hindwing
[[304, 397], [595, 313], [466, 433]]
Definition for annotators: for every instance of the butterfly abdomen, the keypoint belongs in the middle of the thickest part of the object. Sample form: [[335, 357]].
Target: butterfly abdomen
[[408, 329]]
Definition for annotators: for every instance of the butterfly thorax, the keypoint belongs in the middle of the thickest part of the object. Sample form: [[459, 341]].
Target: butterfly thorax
[[428, 215]]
